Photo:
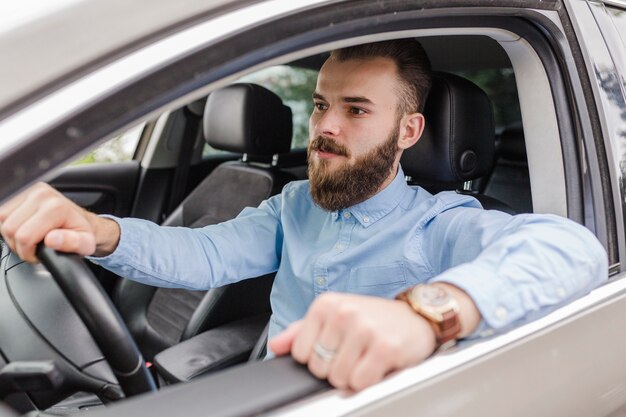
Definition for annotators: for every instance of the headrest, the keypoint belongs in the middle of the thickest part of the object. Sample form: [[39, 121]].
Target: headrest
[[458, 140], [247, 118], [511, 145]]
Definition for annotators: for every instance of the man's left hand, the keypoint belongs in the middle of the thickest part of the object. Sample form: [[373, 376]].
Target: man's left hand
[[354, 341]]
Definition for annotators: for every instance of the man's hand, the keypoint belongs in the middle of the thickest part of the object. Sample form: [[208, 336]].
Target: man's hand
[[362, 339], [42, 213]]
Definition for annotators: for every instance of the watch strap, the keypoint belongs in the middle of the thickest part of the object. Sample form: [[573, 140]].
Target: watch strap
[[445, 330], [449, 327]]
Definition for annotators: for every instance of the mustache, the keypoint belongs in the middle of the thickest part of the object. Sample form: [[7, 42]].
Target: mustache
[[324, 144]]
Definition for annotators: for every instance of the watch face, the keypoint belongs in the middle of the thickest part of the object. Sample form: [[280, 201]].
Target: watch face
[[429, 295], [438, 307]]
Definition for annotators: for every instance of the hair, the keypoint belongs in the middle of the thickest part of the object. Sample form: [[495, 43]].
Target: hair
[[411, 62]]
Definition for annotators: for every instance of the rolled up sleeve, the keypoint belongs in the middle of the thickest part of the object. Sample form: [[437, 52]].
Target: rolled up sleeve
[[516, 268]]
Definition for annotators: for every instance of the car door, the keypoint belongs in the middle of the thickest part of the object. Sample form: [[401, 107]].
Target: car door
[[136, 172], [529, 371], [104, 180]]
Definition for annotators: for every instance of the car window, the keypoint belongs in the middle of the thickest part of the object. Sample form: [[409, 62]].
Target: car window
[[618, 17], [295, 87], [500, 86], [619, 20], [119, 149]]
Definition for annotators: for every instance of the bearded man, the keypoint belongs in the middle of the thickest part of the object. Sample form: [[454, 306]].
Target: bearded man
[[355, 227]]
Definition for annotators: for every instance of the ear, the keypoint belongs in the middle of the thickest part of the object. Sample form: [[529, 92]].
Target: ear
[[412, 127]]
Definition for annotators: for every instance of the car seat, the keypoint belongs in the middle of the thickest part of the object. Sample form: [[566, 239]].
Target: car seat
[[457, 145], [241, 118], [509, 181]]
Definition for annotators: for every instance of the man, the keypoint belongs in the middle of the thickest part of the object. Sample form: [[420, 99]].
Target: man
[[356, 227]]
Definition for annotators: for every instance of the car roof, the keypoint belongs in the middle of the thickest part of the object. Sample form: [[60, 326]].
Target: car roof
[[44, 41]]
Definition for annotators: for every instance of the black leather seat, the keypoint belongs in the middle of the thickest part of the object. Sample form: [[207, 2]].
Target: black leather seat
[[242, 118], [458, 141], [509, 181]]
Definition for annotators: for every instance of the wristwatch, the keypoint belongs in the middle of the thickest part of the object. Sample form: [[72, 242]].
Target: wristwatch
[[438, 307]]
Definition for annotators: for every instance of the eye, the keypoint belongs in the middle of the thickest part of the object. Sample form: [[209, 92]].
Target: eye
[[319, 106], [357, 111]]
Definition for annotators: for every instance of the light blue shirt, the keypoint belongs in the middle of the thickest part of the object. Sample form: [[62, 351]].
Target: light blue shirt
[[515, 268]]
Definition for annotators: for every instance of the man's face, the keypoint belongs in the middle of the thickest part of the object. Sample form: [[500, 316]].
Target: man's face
[[353, 131]]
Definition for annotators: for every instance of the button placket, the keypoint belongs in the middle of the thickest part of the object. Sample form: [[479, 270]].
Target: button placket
[[347, 225], [320, 279]]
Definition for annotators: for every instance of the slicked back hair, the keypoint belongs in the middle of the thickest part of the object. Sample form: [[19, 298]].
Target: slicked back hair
[[412, 64]]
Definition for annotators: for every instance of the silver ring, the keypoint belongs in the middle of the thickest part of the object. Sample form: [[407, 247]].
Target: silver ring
[[325, 354]]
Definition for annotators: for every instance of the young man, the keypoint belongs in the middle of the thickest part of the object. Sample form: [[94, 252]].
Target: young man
[[355, 227]]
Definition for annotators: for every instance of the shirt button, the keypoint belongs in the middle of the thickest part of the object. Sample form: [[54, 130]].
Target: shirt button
[[340, 246], [560, 292], [320, 281], [346, 215], [486, 333], [366, 219], [501, 313]]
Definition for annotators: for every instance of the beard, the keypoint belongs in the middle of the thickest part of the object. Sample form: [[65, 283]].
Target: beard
[[349, 184]]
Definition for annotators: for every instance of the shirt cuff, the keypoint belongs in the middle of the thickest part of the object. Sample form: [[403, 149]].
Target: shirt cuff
[[114, 254], [497, 303]]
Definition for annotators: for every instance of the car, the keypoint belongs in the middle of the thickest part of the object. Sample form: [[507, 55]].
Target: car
[[82, 78]]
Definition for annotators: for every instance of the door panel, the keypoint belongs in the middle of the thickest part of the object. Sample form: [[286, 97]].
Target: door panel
[[103, 188]]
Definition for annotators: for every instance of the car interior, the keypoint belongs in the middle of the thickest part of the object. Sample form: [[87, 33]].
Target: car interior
[[468, 154], [204, 162]]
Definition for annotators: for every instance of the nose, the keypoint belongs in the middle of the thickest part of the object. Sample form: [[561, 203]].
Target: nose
[[325, 123]]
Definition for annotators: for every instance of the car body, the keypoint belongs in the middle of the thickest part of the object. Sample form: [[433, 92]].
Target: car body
[[85, 71]]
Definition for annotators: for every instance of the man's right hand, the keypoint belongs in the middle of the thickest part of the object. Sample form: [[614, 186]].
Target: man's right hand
[[43, 214]]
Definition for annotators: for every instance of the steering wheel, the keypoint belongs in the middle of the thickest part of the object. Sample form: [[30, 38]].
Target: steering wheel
[[101, 318]]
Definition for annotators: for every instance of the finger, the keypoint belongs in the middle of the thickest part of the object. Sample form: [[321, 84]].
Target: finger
[[18, 216], [9, 241], [282, 342], [24, 208], [32, 230], [71, 241], [330, 339], [370, 368], [53, 214], [302, 348], [9, 207], [350, 352]]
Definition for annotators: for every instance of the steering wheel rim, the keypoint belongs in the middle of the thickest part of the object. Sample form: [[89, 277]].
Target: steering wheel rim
[[101, 318]]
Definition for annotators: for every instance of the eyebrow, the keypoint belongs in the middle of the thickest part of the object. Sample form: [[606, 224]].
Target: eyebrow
[[358, 99]]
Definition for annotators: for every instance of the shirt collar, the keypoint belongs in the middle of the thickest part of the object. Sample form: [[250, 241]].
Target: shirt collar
[[376, 207]]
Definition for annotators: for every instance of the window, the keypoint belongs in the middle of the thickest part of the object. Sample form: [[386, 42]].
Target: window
[[619, 20], [500, 86], [119, 149], [618, 17]]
